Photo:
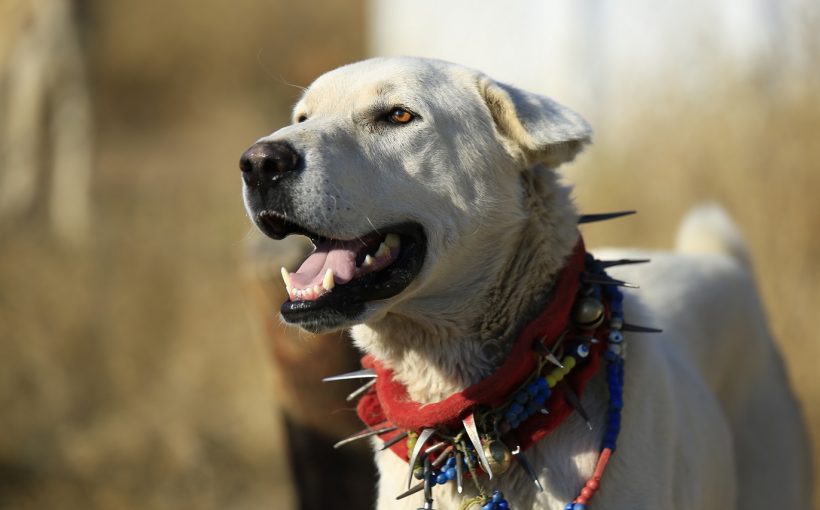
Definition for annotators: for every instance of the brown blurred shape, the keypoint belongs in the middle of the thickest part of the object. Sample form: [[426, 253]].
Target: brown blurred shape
[[316, 413], [45, 116]]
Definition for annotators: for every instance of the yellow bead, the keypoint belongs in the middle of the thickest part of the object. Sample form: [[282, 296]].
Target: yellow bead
[[569, 363], [551, 381]]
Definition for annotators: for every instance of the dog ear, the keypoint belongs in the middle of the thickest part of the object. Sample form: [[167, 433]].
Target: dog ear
[[533, 126]]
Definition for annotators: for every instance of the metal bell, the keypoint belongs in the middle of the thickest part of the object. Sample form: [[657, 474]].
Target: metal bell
[[589, 313], [498, 456]]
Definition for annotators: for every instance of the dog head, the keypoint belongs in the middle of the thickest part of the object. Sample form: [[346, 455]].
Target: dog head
[[406, 175]]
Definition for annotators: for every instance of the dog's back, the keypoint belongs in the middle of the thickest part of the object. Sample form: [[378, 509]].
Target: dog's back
[[704, 297]]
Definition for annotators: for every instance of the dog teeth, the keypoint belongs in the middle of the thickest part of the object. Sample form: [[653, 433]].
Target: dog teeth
[[328, 282], [368, 261], [392, 241], [286, 277], [383, 251]]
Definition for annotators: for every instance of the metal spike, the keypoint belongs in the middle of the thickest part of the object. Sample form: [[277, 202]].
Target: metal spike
[[591, 218], [419, 486], [539, 347], [361, 391], [622, 262], [359, 374], [428, 483], [606, 280], [443, 457], [423, 437], [639, 329], [390, 442], [459, 471], [526, 466], [575, 402], [363, 434], [472, 433]]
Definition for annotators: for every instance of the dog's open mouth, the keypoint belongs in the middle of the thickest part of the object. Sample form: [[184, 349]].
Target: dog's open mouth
[[341, 275]]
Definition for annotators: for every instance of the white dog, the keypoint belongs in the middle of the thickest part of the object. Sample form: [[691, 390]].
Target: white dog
[[441, 229]]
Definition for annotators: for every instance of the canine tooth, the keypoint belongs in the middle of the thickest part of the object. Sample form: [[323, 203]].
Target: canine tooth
[[328, 282], [392, 241], [286, 277], [368, 261], [382, 251]]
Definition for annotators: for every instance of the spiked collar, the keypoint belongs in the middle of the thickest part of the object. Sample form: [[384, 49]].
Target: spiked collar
[[388, 404], [486, 427]]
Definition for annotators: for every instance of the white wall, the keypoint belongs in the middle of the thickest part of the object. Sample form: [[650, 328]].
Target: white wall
[[596, 56]]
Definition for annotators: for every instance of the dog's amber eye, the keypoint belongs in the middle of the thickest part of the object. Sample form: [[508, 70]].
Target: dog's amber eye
[[400, 116]]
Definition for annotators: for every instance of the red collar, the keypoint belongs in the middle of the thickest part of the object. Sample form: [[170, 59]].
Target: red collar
[[388, 403]]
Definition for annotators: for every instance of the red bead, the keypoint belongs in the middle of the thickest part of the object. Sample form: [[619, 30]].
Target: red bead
[[587, 493], [593, 485]]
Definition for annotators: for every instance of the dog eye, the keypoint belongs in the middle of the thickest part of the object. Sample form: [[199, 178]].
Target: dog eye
[[400, 116], [301, 118]]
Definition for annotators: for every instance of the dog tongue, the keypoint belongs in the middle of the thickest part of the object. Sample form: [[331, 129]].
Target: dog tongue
[[340, 256]]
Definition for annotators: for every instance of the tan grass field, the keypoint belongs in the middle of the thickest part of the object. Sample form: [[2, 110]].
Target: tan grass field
[[130, 377]]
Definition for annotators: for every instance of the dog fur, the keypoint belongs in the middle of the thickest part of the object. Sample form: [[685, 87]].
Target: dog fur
[[709, 419]]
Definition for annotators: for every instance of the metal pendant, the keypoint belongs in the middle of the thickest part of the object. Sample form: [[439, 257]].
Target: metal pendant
[[498, 456]]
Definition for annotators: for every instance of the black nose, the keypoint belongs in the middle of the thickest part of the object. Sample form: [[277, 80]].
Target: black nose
[[266, 162]]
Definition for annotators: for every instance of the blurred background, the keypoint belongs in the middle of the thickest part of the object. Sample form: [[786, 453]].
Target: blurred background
[[135, 349]]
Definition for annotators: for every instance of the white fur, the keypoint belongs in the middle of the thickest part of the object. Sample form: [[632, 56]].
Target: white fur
[[709, 422]]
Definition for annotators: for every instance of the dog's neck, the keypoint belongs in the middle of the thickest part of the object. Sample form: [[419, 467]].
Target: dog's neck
[[435, 357]]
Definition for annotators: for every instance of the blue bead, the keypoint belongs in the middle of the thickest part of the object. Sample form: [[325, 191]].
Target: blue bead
[[579, 506], [498, 496], [441, 479], [610, 356], [569, 506], [515, 408], [450, 473], [451, 462], [540, 399], [510, 416], [532, 389], [488, 506], [503, 505], [522, 397], [542, 382]]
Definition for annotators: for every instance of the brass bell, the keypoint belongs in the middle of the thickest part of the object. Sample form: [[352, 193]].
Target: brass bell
[[589, 313], [498, 456]]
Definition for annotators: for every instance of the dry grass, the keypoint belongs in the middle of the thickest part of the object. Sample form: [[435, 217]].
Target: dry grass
[[128, 375]]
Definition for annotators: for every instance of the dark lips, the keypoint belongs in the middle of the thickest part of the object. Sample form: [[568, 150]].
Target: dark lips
[[346, 302]]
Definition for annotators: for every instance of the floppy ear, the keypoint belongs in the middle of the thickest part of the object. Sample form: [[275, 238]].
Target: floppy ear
[[533, 126]]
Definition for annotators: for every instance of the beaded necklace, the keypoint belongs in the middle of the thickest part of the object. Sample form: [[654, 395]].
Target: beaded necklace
[[484, 430]]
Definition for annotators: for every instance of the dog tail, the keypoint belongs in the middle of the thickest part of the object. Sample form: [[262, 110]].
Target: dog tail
[[707, 228]]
